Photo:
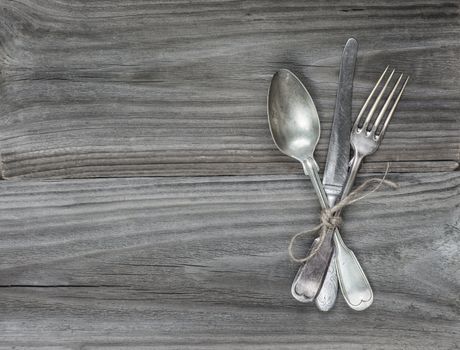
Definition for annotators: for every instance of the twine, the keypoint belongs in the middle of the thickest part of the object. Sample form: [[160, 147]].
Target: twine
[[331, 219]]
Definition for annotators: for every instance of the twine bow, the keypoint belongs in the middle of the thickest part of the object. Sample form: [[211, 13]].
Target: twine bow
[[329, 219]]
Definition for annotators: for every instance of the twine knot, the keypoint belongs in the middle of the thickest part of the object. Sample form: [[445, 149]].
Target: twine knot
[[331, 219]]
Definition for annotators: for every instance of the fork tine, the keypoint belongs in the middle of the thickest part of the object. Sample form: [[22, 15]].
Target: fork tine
[[376, 102], [385, 106], [361, 112], [390, 114]]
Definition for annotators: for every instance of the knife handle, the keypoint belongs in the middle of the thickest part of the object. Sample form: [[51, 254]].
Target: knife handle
[[327, 295]]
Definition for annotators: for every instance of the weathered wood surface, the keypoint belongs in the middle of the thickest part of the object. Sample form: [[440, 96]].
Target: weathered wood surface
[[129, 88], [178, 88], [202, 263]]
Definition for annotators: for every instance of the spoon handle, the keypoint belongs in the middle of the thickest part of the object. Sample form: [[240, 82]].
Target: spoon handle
[[310, 276], [310, 168]]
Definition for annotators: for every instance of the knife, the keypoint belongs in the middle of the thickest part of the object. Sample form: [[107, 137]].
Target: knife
[[338, 158]]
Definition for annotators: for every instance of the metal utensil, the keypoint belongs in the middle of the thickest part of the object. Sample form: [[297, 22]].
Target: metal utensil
[[338, 159], [295, 128], [365, 140], [306, 278]]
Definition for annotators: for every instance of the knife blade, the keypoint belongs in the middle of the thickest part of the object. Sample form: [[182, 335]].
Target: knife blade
[[338, 157]]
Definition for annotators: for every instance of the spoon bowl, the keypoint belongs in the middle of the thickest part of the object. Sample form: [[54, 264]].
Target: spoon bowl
[[293, 118]]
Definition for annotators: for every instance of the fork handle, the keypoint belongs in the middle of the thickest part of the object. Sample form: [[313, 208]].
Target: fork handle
[[355, 164], [354, 285]]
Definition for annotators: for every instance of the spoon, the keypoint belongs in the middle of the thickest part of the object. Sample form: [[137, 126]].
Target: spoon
[[294, 125]]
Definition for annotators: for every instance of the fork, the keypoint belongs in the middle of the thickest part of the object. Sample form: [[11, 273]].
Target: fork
[[365, 139]]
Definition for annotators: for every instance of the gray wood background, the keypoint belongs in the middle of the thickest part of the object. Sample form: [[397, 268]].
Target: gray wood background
[[122, 127]]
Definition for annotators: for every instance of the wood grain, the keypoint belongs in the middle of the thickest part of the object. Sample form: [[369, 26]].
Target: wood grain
[[130, 88], [154, 98], [201, 263]]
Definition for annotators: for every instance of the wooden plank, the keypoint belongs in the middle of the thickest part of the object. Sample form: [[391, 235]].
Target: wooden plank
[[111, 88], [202, 263]]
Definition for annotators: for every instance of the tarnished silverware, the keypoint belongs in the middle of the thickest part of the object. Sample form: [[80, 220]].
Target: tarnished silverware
[[366, 138], [295, 128], [338, 159], [291, 122]]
